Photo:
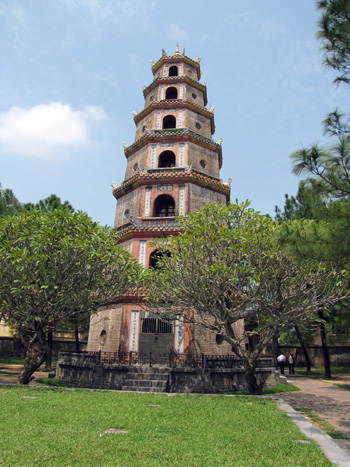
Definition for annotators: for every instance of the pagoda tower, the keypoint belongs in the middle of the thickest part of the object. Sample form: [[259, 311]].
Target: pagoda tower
[[173, 168]]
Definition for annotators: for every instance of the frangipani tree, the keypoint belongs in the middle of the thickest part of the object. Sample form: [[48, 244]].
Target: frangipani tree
[[226, 267], [54, 267]]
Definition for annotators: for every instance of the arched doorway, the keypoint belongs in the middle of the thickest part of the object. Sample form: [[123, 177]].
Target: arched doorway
[[169, 122], [173, 71], [171, 93], [166, 159], [164, 206]]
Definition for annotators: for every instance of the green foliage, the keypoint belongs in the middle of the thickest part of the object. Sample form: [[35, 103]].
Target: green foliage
[[226, 266], [334, 32], [9, 204], [56, 266], [51, 203], [58, 427]]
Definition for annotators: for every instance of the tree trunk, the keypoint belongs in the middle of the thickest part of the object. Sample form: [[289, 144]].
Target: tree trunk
[[254, 386], [49, 353], [35, 355], [303, 347], [275, 349], [327, 363], [77, 343]]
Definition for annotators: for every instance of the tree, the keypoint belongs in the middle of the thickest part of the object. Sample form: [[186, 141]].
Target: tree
[[51, 203], [9, 204], [334, 32], [54, 267], [225, 267], [309, 203]]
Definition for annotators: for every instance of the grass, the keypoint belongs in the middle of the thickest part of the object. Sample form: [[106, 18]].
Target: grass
[[12, 361], [318, 372], [45, 427], [280, 387], [323, 424], [344, 386]]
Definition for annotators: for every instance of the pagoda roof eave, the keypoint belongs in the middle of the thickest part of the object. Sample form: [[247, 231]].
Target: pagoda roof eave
[[185, 175], [175, 134], [181, 79], [175, 59], [176, 103]]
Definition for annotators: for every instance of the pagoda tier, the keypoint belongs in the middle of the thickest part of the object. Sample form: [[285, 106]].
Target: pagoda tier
[[173, 169]]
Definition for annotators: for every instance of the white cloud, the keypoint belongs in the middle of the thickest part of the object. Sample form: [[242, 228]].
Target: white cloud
[[118, 11], [178, 34], [46, 129]]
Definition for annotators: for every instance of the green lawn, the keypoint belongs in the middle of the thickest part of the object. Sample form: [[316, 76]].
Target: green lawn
[[56, 427], [318, 372]]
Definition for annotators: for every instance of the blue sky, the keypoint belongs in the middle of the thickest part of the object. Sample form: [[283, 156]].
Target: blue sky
[[72, 72]]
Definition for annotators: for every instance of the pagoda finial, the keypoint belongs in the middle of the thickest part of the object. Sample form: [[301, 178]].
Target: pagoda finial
[[177, 51]]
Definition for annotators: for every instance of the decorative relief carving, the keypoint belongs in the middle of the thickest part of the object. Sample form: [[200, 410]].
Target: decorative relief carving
[[181, 154], [134, 331], [153, 156], [181, 93], [159, 113], [180, 118], [148, 201], [142, 252], [162, 92], [182, 201], [179, 335]]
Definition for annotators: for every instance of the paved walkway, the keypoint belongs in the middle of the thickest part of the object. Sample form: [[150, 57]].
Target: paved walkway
[[326, 400]]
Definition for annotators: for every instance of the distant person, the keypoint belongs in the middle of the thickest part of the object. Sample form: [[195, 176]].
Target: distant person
[[281, 359], [291, 363]]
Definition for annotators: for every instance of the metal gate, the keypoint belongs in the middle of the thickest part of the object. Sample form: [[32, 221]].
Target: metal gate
[[156, 334]]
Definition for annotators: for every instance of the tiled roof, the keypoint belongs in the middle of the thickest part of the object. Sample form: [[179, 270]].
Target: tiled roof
[[175, 58], [190, 174], [153, 135], [173, 103], [176, 79]]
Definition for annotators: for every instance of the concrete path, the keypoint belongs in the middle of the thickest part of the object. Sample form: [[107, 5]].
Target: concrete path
[[326, 400]]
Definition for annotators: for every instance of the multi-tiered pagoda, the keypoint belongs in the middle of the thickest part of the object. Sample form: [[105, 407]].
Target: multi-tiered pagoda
[[173, 168]]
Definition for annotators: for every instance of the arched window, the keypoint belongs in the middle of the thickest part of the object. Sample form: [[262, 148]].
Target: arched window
[[166, 159], [164, 206], [173, 71], [169, 122], [171, 93], [154, 257]]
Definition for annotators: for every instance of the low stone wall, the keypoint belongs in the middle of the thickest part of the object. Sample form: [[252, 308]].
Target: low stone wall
[[85, 371], [10, 347]]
